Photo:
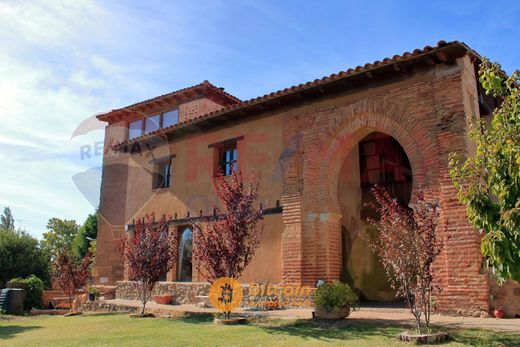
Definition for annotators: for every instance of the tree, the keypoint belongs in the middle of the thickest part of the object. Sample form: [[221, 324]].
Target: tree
[[86, 234], [60, 236], [149, 253], [7, 220], [226, 243], [71, 273], [407, 245], [488, 181], [20, 256]]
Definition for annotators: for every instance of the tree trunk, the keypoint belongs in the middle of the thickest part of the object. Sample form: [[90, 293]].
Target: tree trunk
[[70, 300], [143, 298]]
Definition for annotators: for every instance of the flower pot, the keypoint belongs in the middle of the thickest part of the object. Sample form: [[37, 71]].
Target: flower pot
[[499, 313], [334, 313], [163, 299]]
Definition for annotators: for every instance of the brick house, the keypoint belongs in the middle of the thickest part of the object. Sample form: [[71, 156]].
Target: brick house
[[318, 147]]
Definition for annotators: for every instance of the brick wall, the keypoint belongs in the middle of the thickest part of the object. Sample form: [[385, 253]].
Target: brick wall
[[427, 114], [198, 107]]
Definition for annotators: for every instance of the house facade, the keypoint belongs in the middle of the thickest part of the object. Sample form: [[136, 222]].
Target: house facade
[[318, 147]]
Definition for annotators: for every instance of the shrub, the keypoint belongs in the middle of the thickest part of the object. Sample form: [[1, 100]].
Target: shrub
[[33, 289], [335, 295], [20, 256], [93, 290]]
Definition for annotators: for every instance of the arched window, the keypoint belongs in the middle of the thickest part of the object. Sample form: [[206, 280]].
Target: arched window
[[185, 247], [383, 161]]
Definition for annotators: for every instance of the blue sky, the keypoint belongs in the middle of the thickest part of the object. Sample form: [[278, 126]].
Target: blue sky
[[63, 61]]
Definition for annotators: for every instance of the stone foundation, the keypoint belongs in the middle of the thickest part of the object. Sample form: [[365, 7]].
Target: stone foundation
[[187, 293], [182, 292]]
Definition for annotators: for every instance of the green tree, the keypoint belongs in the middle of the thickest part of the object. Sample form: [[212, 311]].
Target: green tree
[[488, 181], [60, 236], [85, 236], [7, 220], [20, 256]]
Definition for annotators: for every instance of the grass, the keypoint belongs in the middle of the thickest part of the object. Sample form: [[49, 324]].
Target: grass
[[121, 330]]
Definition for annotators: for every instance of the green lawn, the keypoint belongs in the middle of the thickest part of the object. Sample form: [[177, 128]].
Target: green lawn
[[121, 330]]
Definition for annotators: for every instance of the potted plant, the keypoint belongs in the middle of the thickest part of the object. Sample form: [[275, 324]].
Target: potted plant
[[334, 300], [92, 293]]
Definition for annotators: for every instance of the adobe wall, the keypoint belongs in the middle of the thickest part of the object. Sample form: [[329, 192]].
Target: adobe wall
[[506, 296], [129, 195], [360, 267]]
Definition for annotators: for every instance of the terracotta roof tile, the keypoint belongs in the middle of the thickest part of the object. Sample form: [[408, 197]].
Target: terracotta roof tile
[[339, 75], [204, 84]]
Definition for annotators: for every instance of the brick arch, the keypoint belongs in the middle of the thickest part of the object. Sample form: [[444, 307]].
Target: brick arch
[[347, 126]]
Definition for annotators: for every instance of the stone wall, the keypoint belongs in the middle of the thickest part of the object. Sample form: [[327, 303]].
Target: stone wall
[[186, 293], [183, 292]]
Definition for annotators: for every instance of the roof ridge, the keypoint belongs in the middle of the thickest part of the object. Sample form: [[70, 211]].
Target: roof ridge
[[204, 83]]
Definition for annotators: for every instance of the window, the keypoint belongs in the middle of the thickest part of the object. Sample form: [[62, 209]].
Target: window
[[149, 124], [383, 161], [152, 123], [185, 250], [170, 118], [228, 159], [163, 174], [135, 129]]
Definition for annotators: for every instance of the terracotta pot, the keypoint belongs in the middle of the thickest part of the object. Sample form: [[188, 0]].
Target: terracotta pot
[[499, 313], [163, 299], [334, 313]]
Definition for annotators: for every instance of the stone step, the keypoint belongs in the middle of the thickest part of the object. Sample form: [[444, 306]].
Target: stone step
[[202, 301]]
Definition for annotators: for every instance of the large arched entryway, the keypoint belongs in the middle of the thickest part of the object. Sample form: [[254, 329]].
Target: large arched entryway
[[377, 159]]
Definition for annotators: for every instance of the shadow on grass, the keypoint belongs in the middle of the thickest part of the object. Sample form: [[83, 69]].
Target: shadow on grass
[[8, 332], [479, 337], [105, 314], [195, 318], [333, 330]]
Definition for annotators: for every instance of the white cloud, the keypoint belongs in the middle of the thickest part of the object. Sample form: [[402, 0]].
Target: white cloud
[[51, 80]]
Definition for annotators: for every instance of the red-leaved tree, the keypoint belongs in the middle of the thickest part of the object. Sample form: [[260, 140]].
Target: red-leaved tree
[[407, 244], [71, 273], [149, 253], [226, 243]]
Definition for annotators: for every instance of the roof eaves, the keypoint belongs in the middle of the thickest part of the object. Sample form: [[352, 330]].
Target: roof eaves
[[406, 56]]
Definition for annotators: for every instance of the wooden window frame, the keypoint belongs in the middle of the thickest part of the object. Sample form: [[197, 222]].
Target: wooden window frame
[[156, 173], [219, 151]]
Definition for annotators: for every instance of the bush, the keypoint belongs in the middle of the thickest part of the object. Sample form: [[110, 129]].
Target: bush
[[33, 289], [20, 256], [335, 295]]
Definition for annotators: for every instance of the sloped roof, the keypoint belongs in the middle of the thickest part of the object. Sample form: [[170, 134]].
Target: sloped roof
[[443, 52], [180, 95]]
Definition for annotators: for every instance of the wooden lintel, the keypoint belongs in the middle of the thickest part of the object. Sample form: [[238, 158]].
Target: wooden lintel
[[429, 61]]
